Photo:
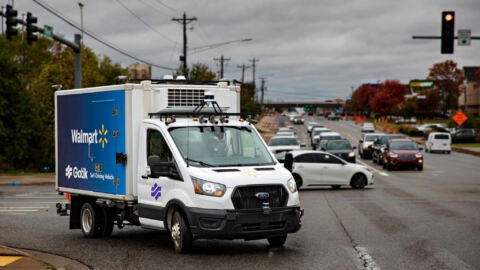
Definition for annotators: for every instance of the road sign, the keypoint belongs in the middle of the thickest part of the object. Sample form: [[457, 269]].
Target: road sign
[[460, 118], [464, 37], [421, 84], [48, 31]]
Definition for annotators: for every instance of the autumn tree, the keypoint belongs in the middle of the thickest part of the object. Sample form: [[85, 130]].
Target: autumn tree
[[448, 77], [388, 98], [198, 72], [361, 99]]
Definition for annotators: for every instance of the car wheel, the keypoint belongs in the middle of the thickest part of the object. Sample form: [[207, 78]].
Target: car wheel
[[358, 181], [374, 160], [448, 152], [277, 241], [298, 180], [384, 166], [420, 168], [336, 186], [180, 232]]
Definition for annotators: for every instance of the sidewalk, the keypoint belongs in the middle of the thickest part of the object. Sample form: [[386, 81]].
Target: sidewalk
[[28, 179], [11, 258], [475, 151]]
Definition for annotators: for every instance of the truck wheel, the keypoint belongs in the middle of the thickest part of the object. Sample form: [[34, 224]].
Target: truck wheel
[[91, 221], [277, 241], [180, 233], [108, 221]]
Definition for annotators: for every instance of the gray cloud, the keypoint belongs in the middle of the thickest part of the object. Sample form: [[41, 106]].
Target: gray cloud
[[314, 49]]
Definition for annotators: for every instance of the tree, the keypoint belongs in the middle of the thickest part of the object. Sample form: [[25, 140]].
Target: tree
[[198, 72], [361, 99], [390, 95], [447, 79], [247, 98]]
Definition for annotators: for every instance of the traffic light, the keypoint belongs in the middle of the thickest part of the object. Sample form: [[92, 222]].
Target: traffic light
[[448, 31], [11, 15], [31, 28]]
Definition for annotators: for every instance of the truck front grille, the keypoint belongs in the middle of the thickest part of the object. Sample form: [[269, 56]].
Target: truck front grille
[[185, 97], [245, 197]]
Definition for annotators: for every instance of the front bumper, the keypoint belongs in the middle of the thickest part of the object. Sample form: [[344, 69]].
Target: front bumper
[[244, 224], [395, 162]]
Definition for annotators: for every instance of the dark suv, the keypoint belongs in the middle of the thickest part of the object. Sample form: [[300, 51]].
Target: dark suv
[[379, 145], [402, 152], [340, 148]]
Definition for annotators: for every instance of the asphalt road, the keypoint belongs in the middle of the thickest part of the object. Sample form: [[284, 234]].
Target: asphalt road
[[407, 220]]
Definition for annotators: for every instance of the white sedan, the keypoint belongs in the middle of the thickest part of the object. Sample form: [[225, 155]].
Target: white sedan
[[318, 168]]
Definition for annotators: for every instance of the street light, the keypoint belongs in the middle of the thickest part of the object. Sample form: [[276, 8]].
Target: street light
[[80, 4], [216, 45]]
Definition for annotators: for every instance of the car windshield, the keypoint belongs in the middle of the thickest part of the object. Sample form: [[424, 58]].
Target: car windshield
[[403, 146], [442, 137], [215, 146], [331, 138], [371, 138], [316, 132], [338, 145], [283, 141]]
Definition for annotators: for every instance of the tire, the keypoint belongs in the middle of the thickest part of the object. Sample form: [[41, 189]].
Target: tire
[[336, 186], [420, 168], [180, 233], [277, 241], [298, 180], [374, 160], [448, 152], [92, 221], [384, 165], [388, 167], [358, 181], [108, 222]]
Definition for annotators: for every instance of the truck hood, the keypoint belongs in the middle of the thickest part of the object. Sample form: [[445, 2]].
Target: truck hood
[[240, 176]]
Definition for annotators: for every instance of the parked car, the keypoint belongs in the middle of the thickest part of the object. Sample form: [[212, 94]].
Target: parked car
[[432, 126], [402, 152], [464, 132], [279, 144], [340, 148], [368, 127], [378, 146], [439, 141], [365, 143], [298, 121], [318, 168]]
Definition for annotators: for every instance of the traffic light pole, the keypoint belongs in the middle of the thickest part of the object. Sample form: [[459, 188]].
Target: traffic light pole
[[75, 46]]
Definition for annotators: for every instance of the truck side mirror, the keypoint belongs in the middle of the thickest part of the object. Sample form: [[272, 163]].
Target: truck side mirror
[[160, 168], [288, 163]]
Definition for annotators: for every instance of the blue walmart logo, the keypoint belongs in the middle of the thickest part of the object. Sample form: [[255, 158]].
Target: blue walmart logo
[[156, 191]]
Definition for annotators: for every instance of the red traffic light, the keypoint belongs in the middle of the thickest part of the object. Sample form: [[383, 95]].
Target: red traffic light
[[448, 17]]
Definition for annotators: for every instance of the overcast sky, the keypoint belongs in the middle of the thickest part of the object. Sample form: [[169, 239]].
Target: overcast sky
[[308, 49]]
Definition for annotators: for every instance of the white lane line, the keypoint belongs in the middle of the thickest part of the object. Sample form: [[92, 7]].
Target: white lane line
[[23, 210], [34, 202], [38, 197], [23, 207], [37, 194], [366, 259], [375, 170], [12, 214]]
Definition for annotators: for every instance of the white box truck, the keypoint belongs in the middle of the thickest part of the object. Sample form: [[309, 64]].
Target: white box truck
[[169, 155]]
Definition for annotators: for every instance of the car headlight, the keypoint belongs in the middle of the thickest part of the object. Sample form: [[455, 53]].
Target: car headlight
[[393, 155], [208, 188], [418, 155], [351, 154], [292, 186]]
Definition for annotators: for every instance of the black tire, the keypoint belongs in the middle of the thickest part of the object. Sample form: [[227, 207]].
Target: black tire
[[448, 152], [388, 167], [180, 233], [336, 186], [384, 165], [92, 221], [420, 168], [108, 222], [298, 180], [358, 181], [374, 160], [277, 241]]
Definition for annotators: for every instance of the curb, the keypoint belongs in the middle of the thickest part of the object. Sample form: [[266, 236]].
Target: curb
[[465, 151], [24, 183], [26, 260]]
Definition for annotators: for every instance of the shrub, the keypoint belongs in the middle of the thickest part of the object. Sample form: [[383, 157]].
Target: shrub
[[463, 139]]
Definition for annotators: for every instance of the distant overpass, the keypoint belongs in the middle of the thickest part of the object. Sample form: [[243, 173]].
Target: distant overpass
[[315, 105]]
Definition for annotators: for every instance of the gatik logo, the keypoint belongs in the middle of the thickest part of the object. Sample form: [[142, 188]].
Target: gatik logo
[[77, 173]]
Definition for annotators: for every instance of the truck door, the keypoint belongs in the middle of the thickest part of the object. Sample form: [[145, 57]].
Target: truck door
[[152, 189]]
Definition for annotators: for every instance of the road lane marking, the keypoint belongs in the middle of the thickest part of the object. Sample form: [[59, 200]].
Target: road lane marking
[[24, 207], [13, 214], [13, 210], [34, 202]]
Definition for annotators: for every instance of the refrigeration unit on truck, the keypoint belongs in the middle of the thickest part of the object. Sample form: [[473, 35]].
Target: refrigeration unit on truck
[[170, 155]]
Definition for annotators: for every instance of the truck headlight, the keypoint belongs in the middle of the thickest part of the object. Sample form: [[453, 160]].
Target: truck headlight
[[208, 188], [292, 186], [351, 154]]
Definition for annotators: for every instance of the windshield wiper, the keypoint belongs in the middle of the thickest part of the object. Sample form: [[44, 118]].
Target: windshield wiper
[[200, 162]]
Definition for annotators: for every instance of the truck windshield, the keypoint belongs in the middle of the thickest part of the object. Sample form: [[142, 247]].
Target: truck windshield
[[221, 146]]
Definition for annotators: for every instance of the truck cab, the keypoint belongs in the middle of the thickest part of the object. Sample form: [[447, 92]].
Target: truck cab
[[195, 172]]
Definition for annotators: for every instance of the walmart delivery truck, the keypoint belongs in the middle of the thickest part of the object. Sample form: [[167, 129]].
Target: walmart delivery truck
[[169, 155]]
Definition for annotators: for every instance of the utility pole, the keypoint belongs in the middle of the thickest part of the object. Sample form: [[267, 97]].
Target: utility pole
[[80, 4], [222, 68], [253, 67], [262, 91], [184, 21], [243, 67]]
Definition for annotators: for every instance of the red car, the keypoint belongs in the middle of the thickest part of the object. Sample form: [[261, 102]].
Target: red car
[[402, 152]]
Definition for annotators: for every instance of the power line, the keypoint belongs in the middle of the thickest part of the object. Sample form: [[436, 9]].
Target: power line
[[143, 21], [172, 9], [93, 36]]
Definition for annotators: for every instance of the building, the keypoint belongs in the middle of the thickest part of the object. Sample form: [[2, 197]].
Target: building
[[469, 99]]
